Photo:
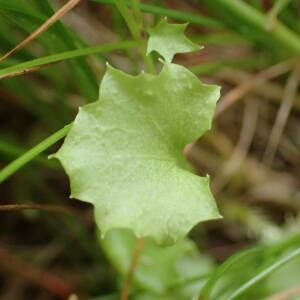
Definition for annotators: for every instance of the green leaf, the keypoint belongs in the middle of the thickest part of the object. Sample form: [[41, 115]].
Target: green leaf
[[159, 269], [169, 39], [124, 153]]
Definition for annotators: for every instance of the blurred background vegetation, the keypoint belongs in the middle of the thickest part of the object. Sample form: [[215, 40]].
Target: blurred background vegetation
[[251, 49]]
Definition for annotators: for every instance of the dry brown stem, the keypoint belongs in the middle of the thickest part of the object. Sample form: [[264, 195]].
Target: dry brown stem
[[282, 116], [61, 12], [49, 208], [25, 71], [243, 145], [245, 87], [136, 255]]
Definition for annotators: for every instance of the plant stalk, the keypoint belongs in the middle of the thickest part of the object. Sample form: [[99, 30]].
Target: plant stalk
[[135, 31]]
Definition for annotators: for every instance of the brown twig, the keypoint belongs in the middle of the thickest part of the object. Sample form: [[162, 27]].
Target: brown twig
[[240, 152], [241, 90], [25, 71], [49, 208], [282, 116], [270, 90], [295, 291], [136, 254], [62, 11]]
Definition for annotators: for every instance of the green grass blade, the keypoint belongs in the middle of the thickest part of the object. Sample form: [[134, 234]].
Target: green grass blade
[[245, 12], [86, 80], [11, 151], [222, 38], [172, 13], [207, 289], [22, 8], [278, 6], [68, 55], [261, 275], [32, 153], [56, 39]]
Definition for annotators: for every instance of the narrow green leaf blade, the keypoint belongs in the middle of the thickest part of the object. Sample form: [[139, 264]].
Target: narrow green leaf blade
[[263, 273]]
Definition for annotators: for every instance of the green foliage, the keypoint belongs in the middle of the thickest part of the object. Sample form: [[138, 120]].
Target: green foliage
[[253, 273], [160, 270], [169, 39], [124, 153], [27, 18], [67, 55], [158, 10]]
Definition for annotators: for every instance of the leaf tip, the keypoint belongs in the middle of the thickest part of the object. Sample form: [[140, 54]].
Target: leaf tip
[[53, 155]]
